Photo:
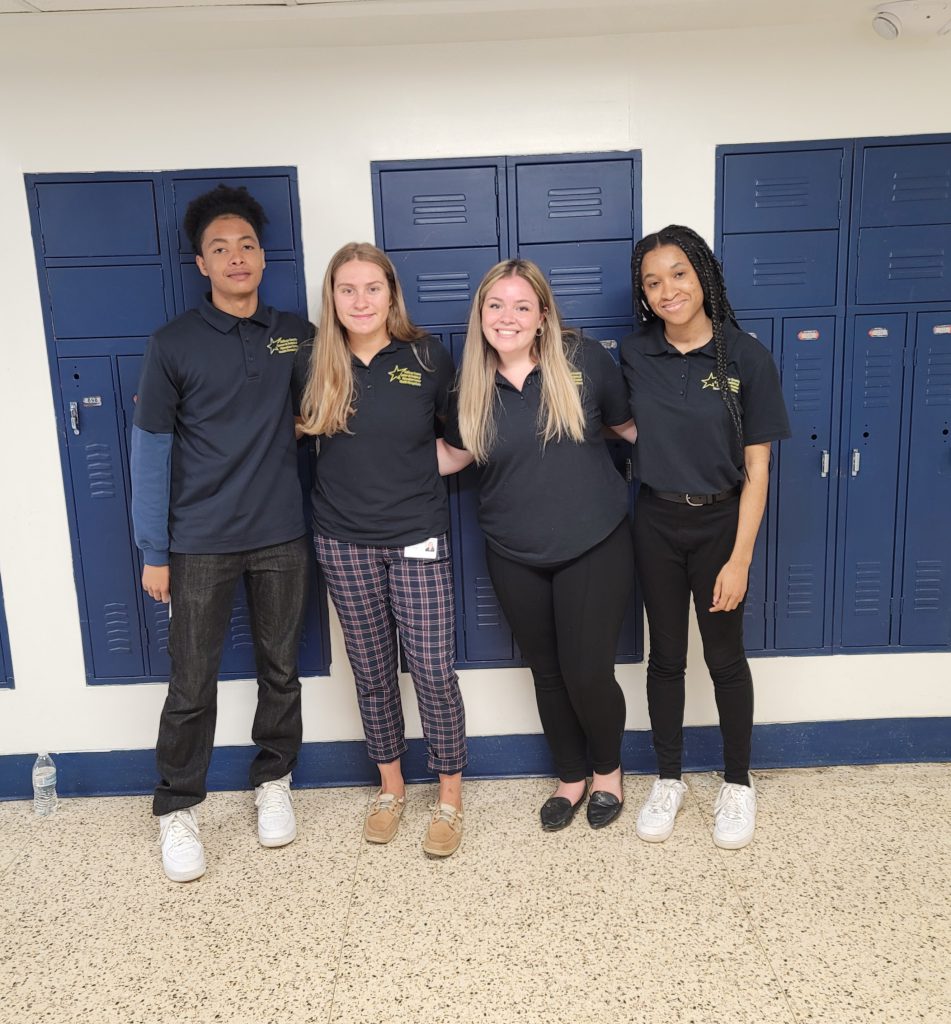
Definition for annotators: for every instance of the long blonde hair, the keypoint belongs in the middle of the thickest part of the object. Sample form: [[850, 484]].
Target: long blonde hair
[[560, 413], [328, 400]]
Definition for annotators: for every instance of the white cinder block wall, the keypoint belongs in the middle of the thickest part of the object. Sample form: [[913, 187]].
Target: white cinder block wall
[[329, 112]]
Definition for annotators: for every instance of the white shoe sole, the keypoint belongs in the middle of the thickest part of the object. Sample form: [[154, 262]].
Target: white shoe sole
[[272, 842], [655, 837], [731, 843], [183, 875]]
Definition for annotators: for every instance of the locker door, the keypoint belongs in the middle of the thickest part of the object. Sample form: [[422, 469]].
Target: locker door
[[440, 284], [105, 565], [590, 280], [900, 265], [6, 666], [926, 581], [803, 491], [906, 185], [871, 465], [280, 286], [781, 270], [755, 607]]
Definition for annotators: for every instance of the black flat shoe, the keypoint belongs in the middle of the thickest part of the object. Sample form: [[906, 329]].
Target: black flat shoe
[[603, 808], [557, 812]]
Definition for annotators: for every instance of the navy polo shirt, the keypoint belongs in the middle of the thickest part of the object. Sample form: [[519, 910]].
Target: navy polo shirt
[[546, 504], [686, 441], [379, 485], [222, 386]]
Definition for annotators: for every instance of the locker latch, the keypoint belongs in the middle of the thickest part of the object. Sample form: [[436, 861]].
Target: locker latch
[[856, 461], [74, 417], [824, 464]]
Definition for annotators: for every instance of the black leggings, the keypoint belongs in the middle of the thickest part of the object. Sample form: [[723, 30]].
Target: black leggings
[[566, 620], [680, 550]]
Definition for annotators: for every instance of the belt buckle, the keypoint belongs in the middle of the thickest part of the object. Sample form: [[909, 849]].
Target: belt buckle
[[693, 504]]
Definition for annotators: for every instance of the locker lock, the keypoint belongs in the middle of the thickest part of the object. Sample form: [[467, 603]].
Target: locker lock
[[856, 461], [824, 464], [74, 417]]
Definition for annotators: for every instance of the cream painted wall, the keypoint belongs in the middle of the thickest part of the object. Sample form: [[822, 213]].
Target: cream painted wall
[[330, 112]]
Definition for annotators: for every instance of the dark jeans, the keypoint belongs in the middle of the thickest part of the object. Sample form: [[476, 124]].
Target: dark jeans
[[202, 588], [680, 550], [566, 619]]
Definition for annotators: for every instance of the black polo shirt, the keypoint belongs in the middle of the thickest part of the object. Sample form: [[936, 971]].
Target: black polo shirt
[[380, 485], [686, 441], [545, 504], [222, 386]]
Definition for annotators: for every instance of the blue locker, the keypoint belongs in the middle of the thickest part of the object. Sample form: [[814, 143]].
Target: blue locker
[[590, 280], [574, 201], [105, 565], [440, 284], [906, 185], [871, 455], [804, 477], [6, 665], [926, 580], [781, 270], [782, 191], [445, 207], [755, 610], [901, 265], [280, 287], [107, 301], [98, 219]]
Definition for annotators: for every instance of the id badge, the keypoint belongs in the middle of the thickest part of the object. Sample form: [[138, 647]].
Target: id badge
[[428, 549]]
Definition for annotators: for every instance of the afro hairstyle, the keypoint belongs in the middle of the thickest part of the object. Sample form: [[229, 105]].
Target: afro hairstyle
[[222, 201]]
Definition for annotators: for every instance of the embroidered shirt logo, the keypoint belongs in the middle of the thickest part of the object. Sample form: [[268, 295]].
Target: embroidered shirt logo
[[577, 377], [711, 382], [281, 346], [402, 375]]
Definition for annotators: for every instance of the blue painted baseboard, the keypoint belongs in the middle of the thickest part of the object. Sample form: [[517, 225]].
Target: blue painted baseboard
[[801, 744]]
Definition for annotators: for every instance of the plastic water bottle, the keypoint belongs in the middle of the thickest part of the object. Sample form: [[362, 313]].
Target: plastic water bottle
[[44, 785]]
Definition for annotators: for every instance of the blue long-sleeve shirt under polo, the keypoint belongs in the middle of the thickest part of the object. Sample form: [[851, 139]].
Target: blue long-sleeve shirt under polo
[[214, 459]]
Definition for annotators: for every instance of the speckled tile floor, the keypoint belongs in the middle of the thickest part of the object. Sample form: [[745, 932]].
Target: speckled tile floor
[[839, 912]]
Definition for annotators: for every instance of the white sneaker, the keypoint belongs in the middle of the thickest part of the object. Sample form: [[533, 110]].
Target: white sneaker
[[183, 856], [276, 823], [734, 816], [655, 820]]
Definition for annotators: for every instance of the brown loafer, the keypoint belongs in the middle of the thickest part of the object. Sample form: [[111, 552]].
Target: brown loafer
[[445, 831], [383, 818]]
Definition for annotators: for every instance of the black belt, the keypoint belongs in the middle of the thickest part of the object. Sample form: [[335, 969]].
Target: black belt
[[693, 499]]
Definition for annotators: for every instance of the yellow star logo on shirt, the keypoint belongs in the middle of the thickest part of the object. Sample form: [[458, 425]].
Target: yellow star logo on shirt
[[710, 381], [395, 373]]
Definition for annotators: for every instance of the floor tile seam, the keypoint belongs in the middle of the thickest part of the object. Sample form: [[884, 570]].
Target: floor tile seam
[[361, 848]]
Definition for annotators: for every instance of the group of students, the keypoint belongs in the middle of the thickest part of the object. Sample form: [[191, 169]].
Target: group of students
[[216, 498]]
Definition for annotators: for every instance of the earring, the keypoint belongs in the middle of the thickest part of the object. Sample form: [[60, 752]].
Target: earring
[[539, 332]]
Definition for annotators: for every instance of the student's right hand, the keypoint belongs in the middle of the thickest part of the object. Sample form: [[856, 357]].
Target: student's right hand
[[155, 582]]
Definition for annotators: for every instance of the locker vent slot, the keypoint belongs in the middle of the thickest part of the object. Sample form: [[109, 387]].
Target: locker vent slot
[[938, 379], [160, 626], [879, 382], [769, 193], [915, 264], [241, 629], [102, 483], [929, 580], [444, 287], [487, 606], [116, 617], [916, 188], [808, 390], [574, 202], [447, 209], [800, 589], [868, 588], [577, 280], [789, 272]]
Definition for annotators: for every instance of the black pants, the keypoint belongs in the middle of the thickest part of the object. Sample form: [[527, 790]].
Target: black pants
[[680, 550], [202, 588], [566, 620]]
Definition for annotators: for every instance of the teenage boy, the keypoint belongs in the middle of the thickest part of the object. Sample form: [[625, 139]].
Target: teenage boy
[[216, 498]]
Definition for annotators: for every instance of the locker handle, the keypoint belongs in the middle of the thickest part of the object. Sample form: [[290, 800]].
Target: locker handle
[[74, 417], [856, 461], [824, 464]]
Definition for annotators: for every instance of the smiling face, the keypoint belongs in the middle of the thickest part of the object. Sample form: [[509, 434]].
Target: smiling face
[[362, 300], [232, 259], [511, 316], [673, 290]]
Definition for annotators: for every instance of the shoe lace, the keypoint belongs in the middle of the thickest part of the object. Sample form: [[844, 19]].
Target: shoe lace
[[272, 797], [661, 795], [732, 802], [384, 802], [447, 813], [182, 831]]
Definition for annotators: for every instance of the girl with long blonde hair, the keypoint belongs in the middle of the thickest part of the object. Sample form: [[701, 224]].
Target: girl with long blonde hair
[[377, 384], [533, 398]]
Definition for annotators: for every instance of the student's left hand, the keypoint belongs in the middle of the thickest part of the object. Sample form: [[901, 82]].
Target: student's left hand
[[730, 587]]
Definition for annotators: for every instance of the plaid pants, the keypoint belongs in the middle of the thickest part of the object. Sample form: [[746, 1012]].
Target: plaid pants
[[377, 591]]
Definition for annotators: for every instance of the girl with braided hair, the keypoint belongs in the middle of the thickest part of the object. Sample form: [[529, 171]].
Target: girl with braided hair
[[707, 402]]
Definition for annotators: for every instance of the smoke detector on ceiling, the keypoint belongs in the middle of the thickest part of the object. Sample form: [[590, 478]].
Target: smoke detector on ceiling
[[912, 17]]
